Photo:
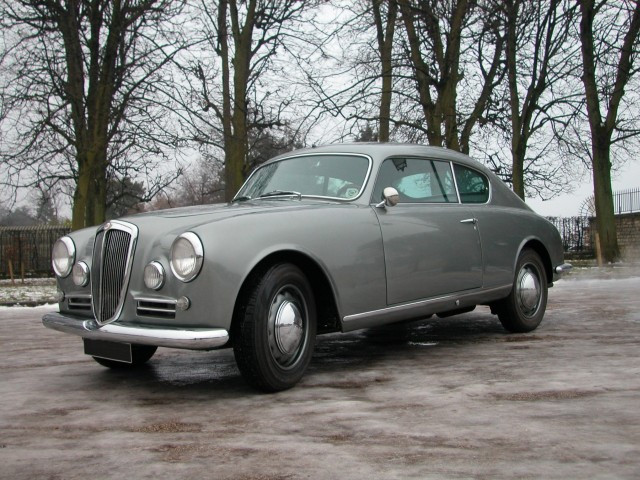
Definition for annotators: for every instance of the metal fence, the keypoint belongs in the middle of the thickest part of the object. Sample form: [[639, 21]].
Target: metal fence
[[27, 250], [575, 233], [626, 201]]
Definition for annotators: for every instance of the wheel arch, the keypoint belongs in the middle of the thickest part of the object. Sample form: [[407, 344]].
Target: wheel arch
[[327, 312], [537, 246]]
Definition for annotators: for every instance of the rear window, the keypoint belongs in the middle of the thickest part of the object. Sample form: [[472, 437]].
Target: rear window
[[472, 185]]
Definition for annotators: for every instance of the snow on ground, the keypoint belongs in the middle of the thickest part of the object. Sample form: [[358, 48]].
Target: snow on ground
[[34, 291], [47, 307]]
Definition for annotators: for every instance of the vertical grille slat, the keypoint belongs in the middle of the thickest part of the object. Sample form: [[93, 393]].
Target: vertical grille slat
[[112, 258]]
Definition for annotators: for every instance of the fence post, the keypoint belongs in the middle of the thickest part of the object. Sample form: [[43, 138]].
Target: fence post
[[13, 282]]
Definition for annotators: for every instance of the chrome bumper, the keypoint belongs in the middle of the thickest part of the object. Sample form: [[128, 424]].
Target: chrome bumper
[[565, 267], [191, 339]]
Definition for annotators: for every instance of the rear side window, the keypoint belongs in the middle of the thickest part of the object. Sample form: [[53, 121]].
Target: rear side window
[[417, 180], [472, 185]]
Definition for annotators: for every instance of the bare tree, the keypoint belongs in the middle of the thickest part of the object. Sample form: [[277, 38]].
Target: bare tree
[[451, 42], [538, 58], [609, 39], [242, 48], [353, 79], [81, 94], [202, 184], [385, 29]]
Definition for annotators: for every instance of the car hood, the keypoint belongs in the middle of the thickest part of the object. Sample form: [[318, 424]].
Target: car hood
[[204, 214]]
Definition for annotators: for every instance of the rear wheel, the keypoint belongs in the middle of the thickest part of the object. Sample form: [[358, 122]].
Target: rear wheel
[[274, 329], [140, 354], [523, 309]]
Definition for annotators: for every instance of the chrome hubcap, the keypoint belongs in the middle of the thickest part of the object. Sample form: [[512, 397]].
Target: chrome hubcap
[[287, 326], [528, 290]]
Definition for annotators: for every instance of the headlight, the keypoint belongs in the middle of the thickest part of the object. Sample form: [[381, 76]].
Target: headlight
[[186, 256], [154, 276], [63, 256], [80, 274]]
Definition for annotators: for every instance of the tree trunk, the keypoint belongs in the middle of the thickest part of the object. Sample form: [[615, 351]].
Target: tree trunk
[[385, 48], [602, 131], [385, 99], [518, 152], [438, 68], [235, 108], [81, 196], [517, 147], [603, 197]]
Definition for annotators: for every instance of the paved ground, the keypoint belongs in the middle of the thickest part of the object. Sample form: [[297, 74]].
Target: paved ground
[[450, 398]]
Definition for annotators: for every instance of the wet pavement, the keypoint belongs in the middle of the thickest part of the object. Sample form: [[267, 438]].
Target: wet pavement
[[442, 398]]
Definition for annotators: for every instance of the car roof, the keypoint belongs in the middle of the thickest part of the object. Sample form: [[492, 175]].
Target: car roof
[[383, 150]]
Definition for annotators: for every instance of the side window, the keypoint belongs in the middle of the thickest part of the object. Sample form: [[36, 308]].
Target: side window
[[472, 185], [417, 180]]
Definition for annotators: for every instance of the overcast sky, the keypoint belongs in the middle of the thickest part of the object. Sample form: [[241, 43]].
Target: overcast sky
[[569, 205]]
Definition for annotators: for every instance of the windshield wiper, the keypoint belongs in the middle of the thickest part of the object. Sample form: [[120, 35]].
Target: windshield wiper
[[240, 199], [276, 193]]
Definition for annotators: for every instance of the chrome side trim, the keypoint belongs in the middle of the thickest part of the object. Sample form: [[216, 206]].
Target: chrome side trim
[[191, 339], [423, 308], [455, 182]]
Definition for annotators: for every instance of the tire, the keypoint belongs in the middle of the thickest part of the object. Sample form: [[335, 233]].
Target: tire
[[523, 309], [140, 354], [275, 328]]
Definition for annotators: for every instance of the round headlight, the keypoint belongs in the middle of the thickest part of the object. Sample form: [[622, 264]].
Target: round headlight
[[63, 256], [154, 276], [80, 274], [186, 256]]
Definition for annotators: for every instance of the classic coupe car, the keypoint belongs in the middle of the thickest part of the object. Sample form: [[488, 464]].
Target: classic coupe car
[[335, 238]]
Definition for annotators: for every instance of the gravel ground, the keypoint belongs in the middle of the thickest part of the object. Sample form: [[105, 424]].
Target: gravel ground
[[441, 398]]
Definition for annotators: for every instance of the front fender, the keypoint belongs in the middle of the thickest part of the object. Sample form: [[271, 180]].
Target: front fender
[[343, 240]]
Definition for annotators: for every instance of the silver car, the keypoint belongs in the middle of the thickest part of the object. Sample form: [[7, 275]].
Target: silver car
[[336, 238]]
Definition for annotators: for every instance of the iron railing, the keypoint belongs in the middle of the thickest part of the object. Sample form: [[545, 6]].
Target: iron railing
[[626, 201], [575, 233], [27, 250]]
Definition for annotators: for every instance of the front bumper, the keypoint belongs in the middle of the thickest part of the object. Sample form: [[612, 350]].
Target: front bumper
[[191, 339]]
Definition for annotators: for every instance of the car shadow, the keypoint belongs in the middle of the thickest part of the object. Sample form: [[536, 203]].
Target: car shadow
[[190, 373]]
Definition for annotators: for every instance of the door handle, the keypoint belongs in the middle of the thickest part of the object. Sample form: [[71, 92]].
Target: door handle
[[469, 220]]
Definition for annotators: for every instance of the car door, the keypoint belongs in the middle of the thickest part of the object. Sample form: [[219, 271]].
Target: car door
[[499, 227], [431, 241]]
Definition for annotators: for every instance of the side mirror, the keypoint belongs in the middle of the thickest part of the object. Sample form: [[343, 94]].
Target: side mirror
[[391, 198]]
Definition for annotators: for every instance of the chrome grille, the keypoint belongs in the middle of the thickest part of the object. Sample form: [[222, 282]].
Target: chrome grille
[[79, 302], [151, 307], [112, 258]]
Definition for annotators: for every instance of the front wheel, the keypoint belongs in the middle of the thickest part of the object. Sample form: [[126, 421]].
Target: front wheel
[[523, 309], [275, 327]]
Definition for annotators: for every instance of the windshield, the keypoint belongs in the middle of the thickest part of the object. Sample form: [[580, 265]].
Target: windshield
[[328, 176]]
